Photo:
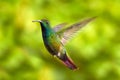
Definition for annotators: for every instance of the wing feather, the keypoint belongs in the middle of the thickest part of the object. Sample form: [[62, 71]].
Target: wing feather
[[69, 32], [59, 27]]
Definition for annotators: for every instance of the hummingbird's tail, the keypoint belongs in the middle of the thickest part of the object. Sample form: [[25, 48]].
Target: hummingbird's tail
[[68, 62]]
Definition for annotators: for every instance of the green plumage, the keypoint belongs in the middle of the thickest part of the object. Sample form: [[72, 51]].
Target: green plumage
[[55, 39], [51, 40]]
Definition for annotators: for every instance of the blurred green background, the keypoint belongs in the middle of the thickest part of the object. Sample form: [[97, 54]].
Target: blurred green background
[[95, 50]]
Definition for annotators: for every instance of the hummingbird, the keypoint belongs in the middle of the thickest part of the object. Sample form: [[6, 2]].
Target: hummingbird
[[56, 38]]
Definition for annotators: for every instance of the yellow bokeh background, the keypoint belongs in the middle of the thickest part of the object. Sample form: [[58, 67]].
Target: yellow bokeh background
[[95, 49]]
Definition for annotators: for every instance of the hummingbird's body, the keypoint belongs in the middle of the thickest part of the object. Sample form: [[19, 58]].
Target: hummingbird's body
[[55, 39], [53, 44], [50, 39]]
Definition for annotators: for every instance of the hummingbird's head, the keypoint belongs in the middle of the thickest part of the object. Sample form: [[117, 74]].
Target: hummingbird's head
[[43, 22]]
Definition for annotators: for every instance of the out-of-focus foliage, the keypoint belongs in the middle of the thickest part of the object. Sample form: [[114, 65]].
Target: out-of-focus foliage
[[95, 50]]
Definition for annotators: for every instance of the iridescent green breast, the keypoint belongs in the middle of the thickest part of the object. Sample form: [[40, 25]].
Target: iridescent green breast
[[52, 42], [50, 38]]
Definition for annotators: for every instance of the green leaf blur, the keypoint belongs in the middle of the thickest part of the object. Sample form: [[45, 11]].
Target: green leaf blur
[[95, 49]]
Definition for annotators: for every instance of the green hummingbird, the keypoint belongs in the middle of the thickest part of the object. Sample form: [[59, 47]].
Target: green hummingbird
[[55, 38]]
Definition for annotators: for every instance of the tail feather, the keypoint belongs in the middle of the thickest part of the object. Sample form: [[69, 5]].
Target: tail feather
[[68, 62]]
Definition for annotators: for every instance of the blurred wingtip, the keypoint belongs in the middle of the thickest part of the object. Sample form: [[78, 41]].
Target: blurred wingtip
[[94, 17]]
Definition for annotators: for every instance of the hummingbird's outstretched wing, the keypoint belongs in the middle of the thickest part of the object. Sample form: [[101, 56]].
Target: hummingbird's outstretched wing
[[59, 27], [67, 33]]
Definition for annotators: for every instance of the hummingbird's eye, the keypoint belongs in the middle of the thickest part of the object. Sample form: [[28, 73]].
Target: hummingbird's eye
[[47, 22]]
